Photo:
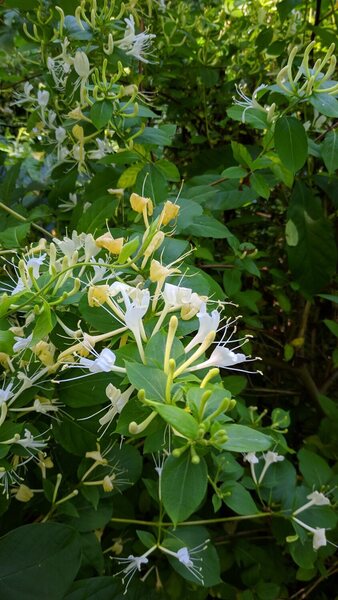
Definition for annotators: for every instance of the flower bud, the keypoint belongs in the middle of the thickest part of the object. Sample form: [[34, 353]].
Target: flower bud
[[98, 294], [81, 64]]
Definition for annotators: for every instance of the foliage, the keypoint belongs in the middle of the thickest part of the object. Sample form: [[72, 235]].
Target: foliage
[[134, 434]]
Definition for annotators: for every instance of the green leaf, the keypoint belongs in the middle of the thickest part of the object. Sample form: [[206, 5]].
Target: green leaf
[[329, 151], [152, 183], [291, 143], [13, 237], [182, 421], [241, 154], [96, 215], [6, 342], [312, 256], [95, 588], [205, 226], [183, 486], [314, 469], [291, 233], [234, 173], [152, 381], [129, 176], [332, 326], [245, 439], [101, 113], [154, 136], [43, 325], [169, 169], [253, 116], [128, 249], [236, 497], [325, 104], [260, 185], [38, 561], [147, 538]]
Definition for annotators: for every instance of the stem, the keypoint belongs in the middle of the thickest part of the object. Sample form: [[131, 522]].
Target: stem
[[19, 217], [199, 522]]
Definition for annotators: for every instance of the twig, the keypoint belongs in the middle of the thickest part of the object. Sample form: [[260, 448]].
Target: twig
[[19, 217]]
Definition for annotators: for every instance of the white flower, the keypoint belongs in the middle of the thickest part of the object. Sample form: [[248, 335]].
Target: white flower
[[43, 98], [315, 499], [6, 393], [78, 241], [34, 265], [207, 322], [29, 442], [69, 204], [103, 148], [223, 358], [175, 295], [103, 363], [269, 458], [118, 401], [251, 458], [319, 538], [319, 535], [135, 44], [133, 564], [21, 343], [134, 313], [186, 557], [60, 134], [247, 102]]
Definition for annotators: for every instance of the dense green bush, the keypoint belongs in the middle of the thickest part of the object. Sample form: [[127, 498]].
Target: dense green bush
[[165, 168]]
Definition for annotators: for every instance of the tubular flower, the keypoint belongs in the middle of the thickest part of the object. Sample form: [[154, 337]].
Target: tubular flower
[[139, 204], [113, 245], [207, 322], [169, 212]]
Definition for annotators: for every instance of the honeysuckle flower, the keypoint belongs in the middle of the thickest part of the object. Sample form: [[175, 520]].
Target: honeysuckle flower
[[6, 393], [247, 102], [253, 460], [315, 499], [207, 322], [270, 458], [69, 204], [169, 212], [133, 44], [118, 401], [186, 557], [23, 493], [140, 204], [21, 343], [223, 358], [43, 98], [103, 363], [104, 147], [28, 441], [133, 564], [108, 242], [319, 534], [78, 241], [134, 313]]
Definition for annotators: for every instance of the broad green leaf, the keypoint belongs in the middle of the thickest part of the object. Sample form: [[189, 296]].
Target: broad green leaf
[[329, 151], [183, 486], [74, 435], [152, 183], [254, 117], [260, 185], [147, 538], [236, 497], [154, 136], [152, 381], [169, 169], [312, 257], [325, 104], [13, 237], [101, 113], [129, 176], [205, 226], [245, 439], [40, 560], [96, 215], [95, 588], [189, 210], [182, 421], [291, 143], [314, 468], [234, 173]]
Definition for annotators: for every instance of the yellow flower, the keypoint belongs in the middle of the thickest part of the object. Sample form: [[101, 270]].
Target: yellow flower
[[98, 294], [24, 493], [139, 204], [45, 353], [113, 245], [169, 212], [107, 483]]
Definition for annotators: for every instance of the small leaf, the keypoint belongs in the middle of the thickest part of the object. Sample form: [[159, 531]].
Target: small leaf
[[241, 154], [129, 176], [236, 497], [152, 381], [332, 326], [43, 325], [325, 104], [128, 249], [234, 173], [291, 143], [183, 486], [314, 468], [101, 113]]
